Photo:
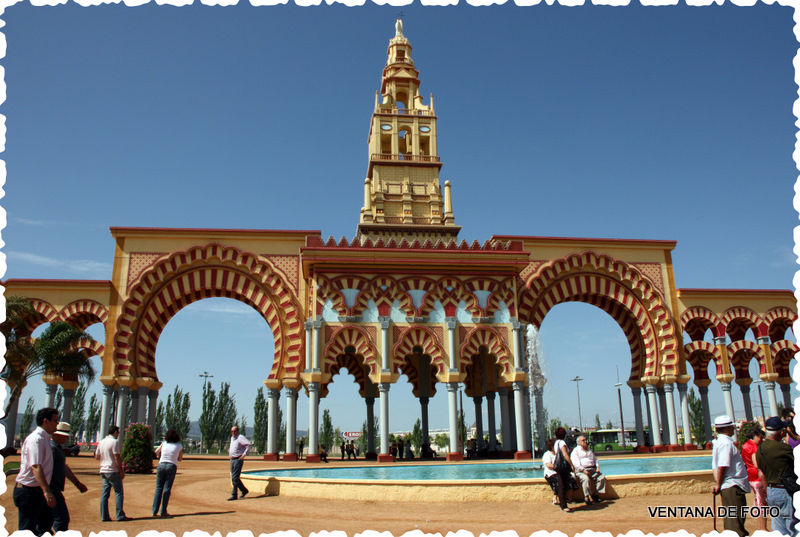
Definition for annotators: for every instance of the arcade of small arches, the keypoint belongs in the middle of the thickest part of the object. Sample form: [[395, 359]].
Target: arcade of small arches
[[432, 328]]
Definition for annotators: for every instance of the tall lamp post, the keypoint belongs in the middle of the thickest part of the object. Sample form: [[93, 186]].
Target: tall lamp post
[[760, 398], [621, 419], [577, 381], [205, 375]]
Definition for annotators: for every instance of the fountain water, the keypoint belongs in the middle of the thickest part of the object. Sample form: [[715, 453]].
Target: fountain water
[[536, 381]]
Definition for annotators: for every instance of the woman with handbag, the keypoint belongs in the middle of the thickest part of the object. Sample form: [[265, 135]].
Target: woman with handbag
[[563, 467], [550, 475]]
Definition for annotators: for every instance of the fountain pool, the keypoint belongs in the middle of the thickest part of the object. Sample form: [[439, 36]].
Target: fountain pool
[[487, 481]]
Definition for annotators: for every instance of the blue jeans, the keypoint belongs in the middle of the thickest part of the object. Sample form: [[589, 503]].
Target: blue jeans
[[111, 480], [165, 475], [786, 523]]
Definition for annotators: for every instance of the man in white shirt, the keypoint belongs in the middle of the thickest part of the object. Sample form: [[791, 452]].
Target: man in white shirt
[[240, 447], [730, 474], [32, 489], [109, 454], [587, 470]]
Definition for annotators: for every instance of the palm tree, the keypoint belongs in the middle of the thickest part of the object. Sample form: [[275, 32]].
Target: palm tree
[[59, 350]]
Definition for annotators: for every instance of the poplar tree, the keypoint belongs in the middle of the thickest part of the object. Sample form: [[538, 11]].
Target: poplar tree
[[208, 424], [92, 418], [176, 412], [697, 427], [261, 423], [77, 422], [326, 432], [225, 415], [26, 423]]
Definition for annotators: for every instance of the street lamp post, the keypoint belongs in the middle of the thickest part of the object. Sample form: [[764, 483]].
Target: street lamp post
[[621, 419], [760, 398], [577, 381]]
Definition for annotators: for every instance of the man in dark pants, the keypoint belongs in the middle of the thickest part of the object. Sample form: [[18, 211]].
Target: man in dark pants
[[240, 447], [57, 518], [773, 456], [32, 489], [730, 474]]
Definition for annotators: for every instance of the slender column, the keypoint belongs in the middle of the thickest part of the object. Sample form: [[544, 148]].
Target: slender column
[[291, 422], [685, 418], [637, 412], [141, 411], [11, 424], [517, 330], [478, 422], [317, 345], [370, 424], [707, 435], [122, 410], [105, 413], [309, 345], [423, 408], [748, 408], [385, 357], [69, 395], [519, 412], [273, 400], [152, 409], [662, 404], [313, 420], [787, 395], [773, 402], [650, 414], [655, 433], [451, 343], [526, 398], [452, 406], [51, 390], [671, 418], [726, 395], [512, 420], [491, 425], [505, 422], [383, 394], [134, 405]]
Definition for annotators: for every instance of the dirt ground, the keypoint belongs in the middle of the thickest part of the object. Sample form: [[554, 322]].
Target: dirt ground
[[202, 486]]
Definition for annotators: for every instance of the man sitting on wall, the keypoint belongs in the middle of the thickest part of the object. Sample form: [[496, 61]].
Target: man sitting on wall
[[587, 470]]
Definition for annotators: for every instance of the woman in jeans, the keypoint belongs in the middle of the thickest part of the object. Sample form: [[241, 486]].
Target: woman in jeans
[[169, 453]]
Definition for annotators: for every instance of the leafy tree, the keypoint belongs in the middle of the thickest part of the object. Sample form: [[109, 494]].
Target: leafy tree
[[93, 417], [696, 421], [442, 440], [281, 430], [137, 450], [554, 424], [261, 422], [225, 414], [362, 440], [77, 423], [326, 432], [160, 420], [176, 412], [416, 435], [26, 423], [462, 429], [744, 429], [208, 422], [609, 424], [243, 424], [59, 350]]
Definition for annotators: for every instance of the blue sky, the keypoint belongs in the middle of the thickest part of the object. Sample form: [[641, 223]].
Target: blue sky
[[624, 122]]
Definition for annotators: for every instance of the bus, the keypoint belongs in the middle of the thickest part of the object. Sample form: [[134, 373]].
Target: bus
[[611, 439]]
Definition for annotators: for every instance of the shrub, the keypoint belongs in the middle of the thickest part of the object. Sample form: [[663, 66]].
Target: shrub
[[137, 450], [745, 428]]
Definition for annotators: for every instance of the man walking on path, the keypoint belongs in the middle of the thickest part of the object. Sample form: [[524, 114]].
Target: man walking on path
[[109, 454], [773, 457], [32, 491], [57, 518], [240, 447], [730, 474]]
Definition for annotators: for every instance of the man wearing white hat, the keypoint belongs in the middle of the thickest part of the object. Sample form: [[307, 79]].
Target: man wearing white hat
[[730, 474], [57, 518]]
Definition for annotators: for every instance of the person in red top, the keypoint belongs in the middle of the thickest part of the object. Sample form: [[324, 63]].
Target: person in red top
[[755, 437]]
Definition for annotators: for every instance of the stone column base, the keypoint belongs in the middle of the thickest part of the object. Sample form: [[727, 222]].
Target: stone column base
[[385, 457], [709, 445], [313, 458], [272, 457], [675, 447], [506, 454], [689, 447], [290, 457], [455, 457], [522, 455], [641, 449], [370, 456], [657, 449]]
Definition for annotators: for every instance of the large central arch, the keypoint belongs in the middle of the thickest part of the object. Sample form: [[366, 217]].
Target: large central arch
[[213, 270], [620, 290]]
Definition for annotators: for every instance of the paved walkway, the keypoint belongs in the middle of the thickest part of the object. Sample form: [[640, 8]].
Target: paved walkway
[[202, 487]]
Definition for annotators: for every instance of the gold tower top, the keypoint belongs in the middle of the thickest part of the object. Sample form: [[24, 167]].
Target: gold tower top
[[402, 194]]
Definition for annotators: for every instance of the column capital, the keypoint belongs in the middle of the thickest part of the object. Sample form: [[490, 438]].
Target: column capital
[[309, 325], [745, 388], [682, 388], [763, 340], [107, 390], [636, 391], [313, 387], [384, 322], [291, 393], [517, 385], [152, 394], [424, 400], [318, 324], [450, 322], [650, 389], [452, 386], [125, 390], [720, 340], [503, 392], [669, 387], [516, 326], [726, 386], [769, 385], [383, 387], [703, 390], [370, 401], [490, 396], [477, 400], [273, 392]]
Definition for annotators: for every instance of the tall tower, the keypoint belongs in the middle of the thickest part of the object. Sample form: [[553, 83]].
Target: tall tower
[[402, 194]]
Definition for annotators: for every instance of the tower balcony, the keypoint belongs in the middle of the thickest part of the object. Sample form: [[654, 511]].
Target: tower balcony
[[400, 157], [404, 112]]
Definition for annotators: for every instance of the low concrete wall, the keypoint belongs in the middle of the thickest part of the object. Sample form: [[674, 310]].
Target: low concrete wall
[[622, 486]]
